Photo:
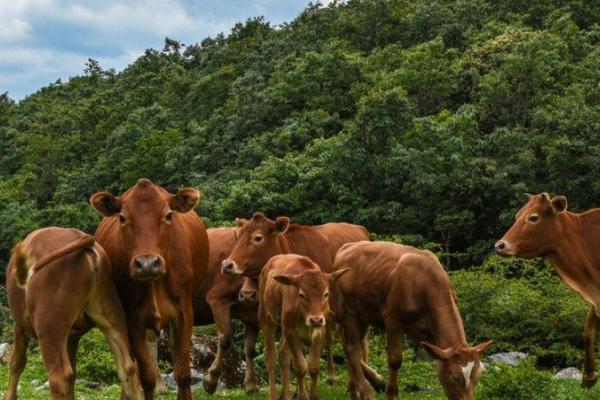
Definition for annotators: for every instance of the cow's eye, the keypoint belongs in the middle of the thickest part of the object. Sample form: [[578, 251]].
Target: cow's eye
[[533, 218], [169, 216], [258, 238], [122, 219], [326, 294], [302, 295]]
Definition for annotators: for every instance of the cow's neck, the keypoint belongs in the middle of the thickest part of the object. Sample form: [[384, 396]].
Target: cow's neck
[[446, 326], [286, 244], [575, 256]]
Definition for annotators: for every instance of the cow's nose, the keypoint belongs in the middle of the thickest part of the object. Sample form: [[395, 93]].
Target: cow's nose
[[147, 264], [317, 321], [247, 296], [227, 267], [500, 246]]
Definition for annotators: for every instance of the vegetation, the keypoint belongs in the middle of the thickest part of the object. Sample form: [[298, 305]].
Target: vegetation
[[425, 120]]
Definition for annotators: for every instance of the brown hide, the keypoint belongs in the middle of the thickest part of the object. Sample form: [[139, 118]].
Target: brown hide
[[261, 238], [294, 294], [544, 228], [159, 248], [405, 291], [68, 288]]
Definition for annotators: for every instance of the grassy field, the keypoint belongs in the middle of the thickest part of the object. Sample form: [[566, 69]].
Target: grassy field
[[498, 382]]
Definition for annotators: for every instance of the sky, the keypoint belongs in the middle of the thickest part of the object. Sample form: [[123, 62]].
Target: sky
[[44, 40]]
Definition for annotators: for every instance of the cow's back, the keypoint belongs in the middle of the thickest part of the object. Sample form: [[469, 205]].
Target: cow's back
[[321, 242]]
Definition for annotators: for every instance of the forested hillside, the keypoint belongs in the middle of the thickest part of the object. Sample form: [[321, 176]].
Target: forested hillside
[[427, 119]]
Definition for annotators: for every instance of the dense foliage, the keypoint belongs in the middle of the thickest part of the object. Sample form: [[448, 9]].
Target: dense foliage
[[428, 118]]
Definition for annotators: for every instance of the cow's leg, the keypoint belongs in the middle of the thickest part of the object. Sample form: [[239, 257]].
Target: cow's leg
[[53, 345], [222, 315], [152, 339], [107, 314], [589, 338], [376, 380], [284, 362], [181, 345], [72, 345], [249, 350], [141, 351], [330, 330], [268, 328], [358, 387], [18, 359], [296, 347], [365, 347], [394, 336], [315, 361]]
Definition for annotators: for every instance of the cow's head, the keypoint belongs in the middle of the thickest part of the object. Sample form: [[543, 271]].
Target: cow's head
[[536, 229], [458, 369], [313, 293], [145, 215], [256, 243]]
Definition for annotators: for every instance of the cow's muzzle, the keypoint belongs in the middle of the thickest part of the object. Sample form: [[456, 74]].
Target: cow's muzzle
[[147, 267], [247, 296], [230, 267], [316, 321], [502, 248]]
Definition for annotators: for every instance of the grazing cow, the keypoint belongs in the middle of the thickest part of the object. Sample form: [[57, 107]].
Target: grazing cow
[[159, 248], [406, 291], [544, 228], [294, 294], [216, 301], [61, 284], [261, 238]]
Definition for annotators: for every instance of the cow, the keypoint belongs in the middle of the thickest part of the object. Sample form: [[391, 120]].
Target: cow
[[294, 294], [261, 238], [159, 248], [216, 301], [544, 228], [406, 291], [61, 284]]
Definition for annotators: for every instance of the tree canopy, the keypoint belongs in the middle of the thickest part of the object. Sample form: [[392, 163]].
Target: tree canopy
[[427, 119]]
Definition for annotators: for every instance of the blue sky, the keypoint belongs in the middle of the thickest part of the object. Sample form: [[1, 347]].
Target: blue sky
[[43, 40]]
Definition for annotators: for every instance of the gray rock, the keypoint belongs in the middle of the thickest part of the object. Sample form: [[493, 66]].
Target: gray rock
[[4, 353], [569, 373], [45, 386], [35, 382], [196, 380], [169, 380], [512, 358], [93, 385]]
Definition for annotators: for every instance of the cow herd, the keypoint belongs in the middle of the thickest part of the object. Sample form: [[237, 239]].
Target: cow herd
[[153, 266]]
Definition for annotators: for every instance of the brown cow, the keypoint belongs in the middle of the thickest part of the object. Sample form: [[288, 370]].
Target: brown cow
[[294, 294], [159, 248], [216, 301], [544, 228], [406, 291], [261, 238], [61, 284]]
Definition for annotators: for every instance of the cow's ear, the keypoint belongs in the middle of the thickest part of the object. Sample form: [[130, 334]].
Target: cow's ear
[[334, 276], [185, 200], [559, 203], [291, 279], [281, 224], [240, 221], [481, 347], [436, 352], [106, 203]]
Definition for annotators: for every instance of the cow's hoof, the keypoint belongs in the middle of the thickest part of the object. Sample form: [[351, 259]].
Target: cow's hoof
[[209, 385], [589, 381]]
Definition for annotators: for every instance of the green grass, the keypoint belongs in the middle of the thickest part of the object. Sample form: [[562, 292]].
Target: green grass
[[498, 382]]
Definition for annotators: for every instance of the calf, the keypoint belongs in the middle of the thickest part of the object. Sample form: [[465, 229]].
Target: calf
[[261, 238], [60, 284], [294, 294], [407, 292], [544, 228]]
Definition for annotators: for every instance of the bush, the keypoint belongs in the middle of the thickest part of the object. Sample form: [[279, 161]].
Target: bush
[[522, 307]]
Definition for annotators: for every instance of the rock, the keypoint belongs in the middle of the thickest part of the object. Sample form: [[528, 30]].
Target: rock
[[93, 385], [45, 386], [203, 352], [512, 358], [569, 373], [169, 380], [4, 353], [482, 366], [35, 382]]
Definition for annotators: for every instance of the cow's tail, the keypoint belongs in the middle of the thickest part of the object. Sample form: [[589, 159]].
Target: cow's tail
[[25, 270]]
